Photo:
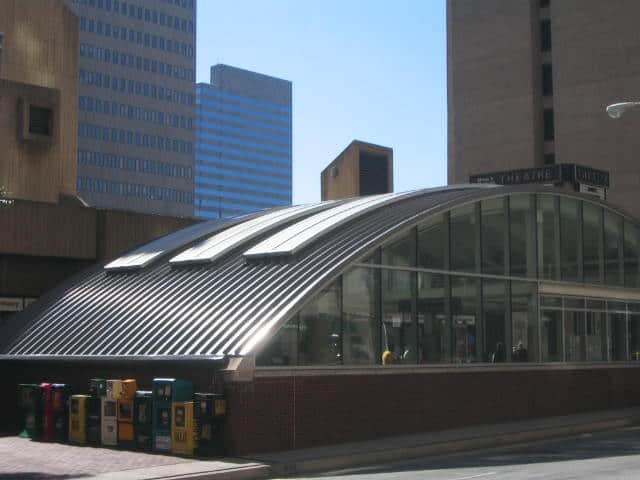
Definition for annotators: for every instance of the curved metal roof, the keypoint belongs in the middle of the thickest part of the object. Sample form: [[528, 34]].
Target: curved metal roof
[[223, 307]]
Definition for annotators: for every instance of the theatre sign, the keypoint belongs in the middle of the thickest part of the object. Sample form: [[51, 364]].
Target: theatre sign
[[584, 179]]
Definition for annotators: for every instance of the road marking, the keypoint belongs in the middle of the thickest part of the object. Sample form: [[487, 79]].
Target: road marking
[[475, 476]]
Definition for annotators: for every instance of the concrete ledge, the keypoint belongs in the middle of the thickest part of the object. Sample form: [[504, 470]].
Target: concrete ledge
[[445, 442]]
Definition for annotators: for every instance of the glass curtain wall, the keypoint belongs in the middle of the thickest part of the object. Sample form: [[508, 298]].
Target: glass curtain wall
[[462, 286]]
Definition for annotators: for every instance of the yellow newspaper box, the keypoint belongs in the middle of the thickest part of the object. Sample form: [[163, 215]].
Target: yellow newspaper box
[[183, 429], [78, 419]]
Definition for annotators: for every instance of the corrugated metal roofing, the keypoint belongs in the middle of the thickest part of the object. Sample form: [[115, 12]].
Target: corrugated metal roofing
[[220, 308]]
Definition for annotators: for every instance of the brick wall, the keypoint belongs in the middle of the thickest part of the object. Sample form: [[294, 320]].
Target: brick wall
[[287, 412]]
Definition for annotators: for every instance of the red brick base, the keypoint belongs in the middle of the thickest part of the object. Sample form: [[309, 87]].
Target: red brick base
[[288, 412]]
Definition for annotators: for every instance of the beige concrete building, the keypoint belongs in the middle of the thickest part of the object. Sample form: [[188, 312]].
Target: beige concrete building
[[38, 99], [528, 84], [361, 169]]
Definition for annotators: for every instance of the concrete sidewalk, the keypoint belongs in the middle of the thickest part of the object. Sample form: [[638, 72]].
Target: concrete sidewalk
[[25, 459], [349, 455]]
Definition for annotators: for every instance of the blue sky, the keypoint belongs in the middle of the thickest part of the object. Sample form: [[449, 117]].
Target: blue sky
[[372, 70]]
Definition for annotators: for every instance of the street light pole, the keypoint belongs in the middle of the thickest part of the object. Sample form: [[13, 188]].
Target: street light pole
[[616, 110]]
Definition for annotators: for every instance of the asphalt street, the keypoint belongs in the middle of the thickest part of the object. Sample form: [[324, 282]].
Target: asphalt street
[[609, 455]]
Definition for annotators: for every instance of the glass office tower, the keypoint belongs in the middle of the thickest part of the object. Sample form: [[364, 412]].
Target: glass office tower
[[243, 143], [136, 104]]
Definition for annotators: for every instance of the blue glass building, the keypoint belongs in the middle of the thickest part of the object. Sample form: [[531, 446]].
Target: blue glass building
[[243, 143]]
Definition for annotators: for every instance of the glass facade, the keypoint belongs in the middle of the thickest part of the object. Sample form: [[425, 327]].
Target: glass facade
[[136, 104], [243, 143], [472, 285]]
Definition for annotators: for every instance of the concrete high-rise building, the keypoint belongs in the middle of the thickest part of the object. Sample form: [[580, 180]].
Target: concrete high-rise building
[[528, 84], [136, 104], [361, 169], [243, 143]]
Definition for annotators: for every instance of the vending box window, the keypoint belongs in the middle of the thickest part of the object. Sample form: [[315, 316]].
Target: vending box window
[[143, 419], [165, 392]]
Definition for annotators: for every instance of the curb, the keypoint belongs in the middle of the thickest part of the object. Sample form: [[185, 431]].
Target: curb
[[250, 472], [383, 455]]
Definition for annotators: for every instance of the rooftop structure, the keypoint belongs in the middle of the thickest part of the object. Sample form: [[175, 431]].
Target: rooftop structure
[[361, 169]]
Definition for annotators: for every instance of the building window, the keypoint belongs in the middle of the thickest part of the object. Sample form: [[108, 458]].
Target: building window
[[522, 235], [494, 320], [465, 309], [400, 252], [547, 79], [40, 120], [592, 243], [613, 248], [432, 242], [569, 239], [399, 336], [463, 239], [549, 159], [493, 223], [319, 334], [548, 237], [631, 255], [548, 127], [545, 35], [434, 328], [360, 320]]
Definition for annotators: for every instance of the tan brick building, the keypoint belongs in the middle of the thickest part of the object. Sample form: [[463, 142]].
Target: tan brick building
[[528, 84]]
